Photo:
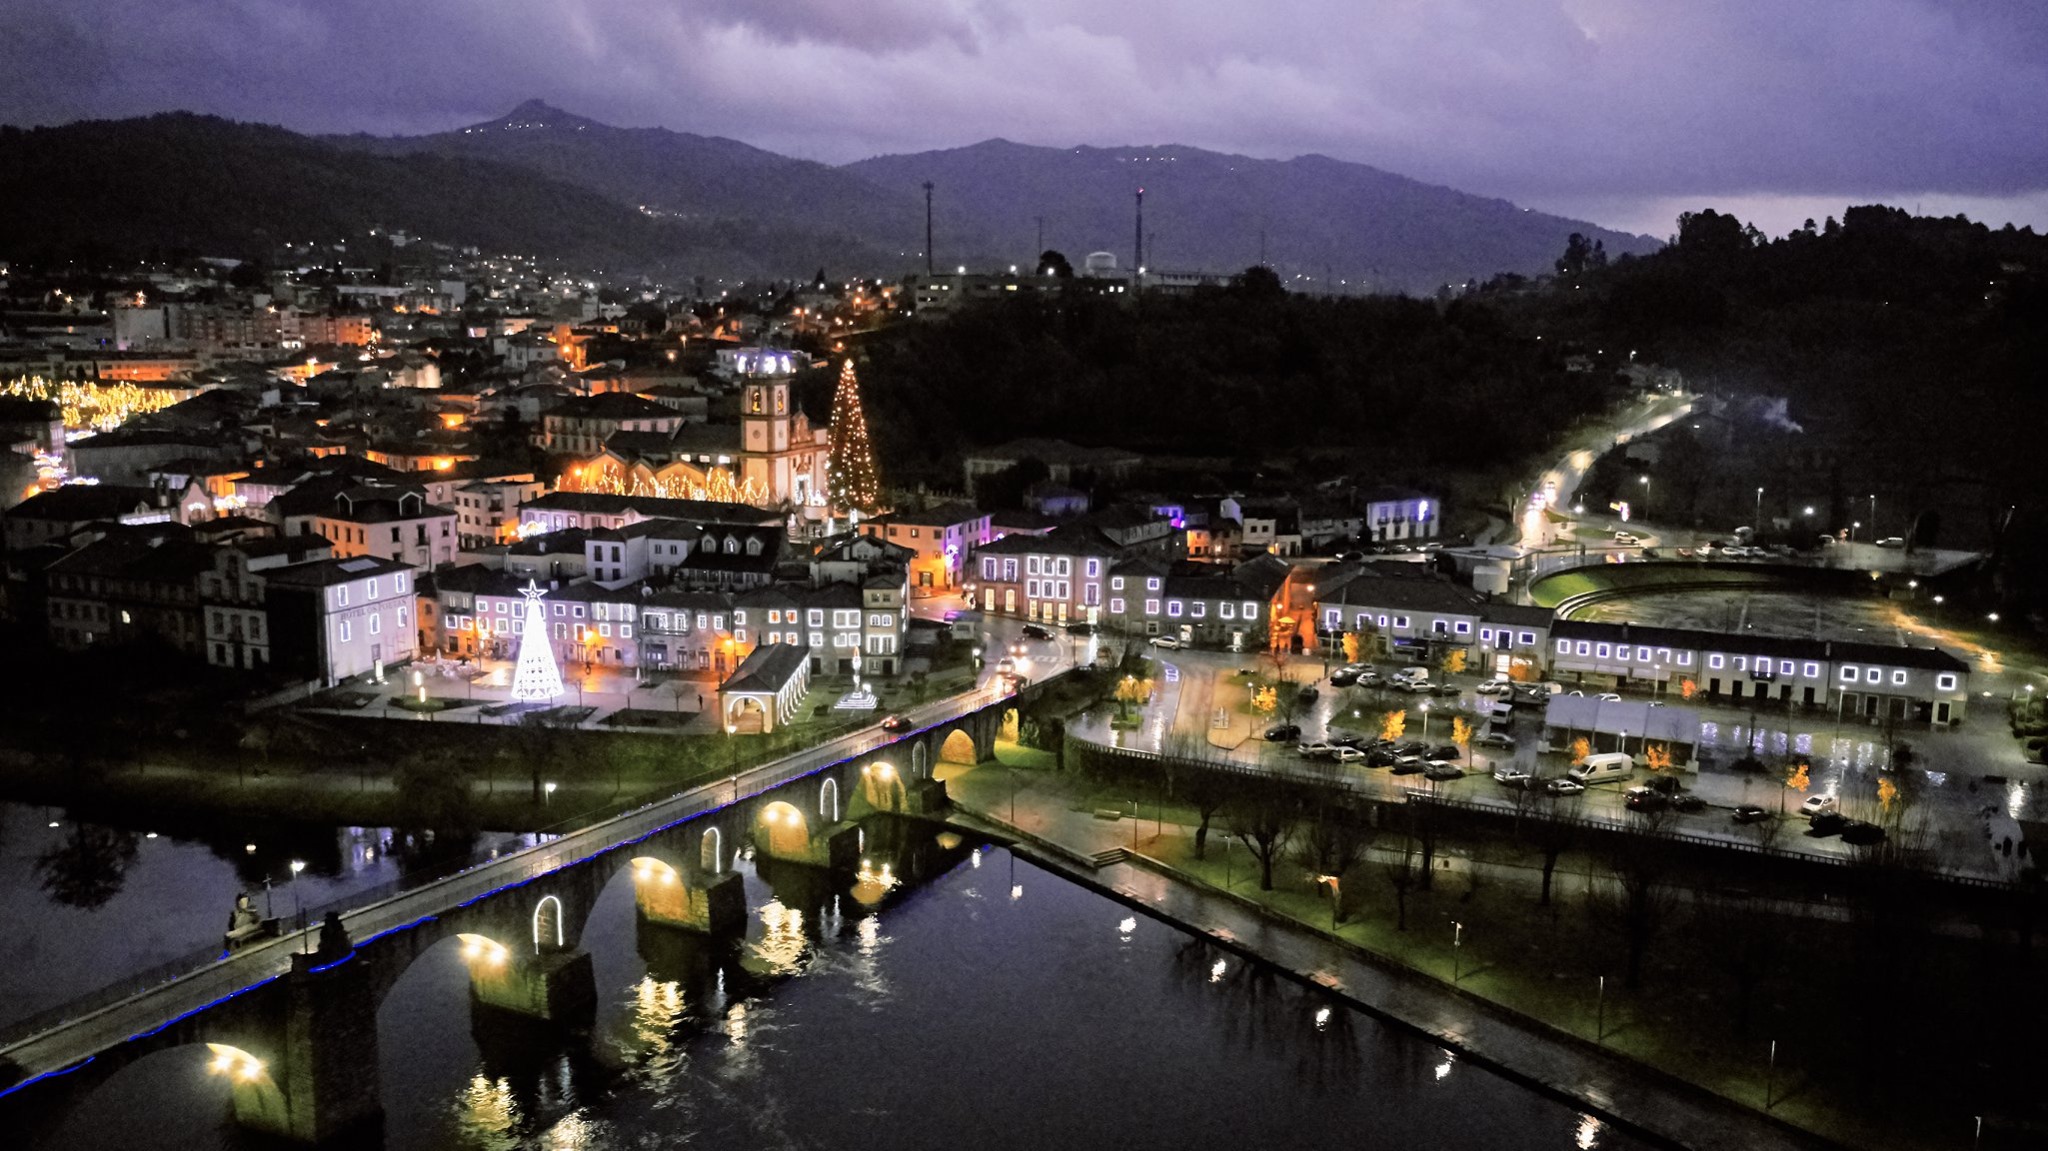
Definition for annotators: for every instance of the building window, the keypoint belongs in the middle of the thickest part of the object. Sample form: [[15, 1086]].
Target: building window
[[1898, 678], [1848, 673], [1401, 621], [1116, 605], [1116, 583], [376, 624], [1600, 652], [1151, 607], [1229, 610], [1873, 675], [344, 631], [1528, 639], [1564, 647], [1463, 627], [1642, 655], [1716, 662], [1945, 682], [1810, 671], [1585, 648], [1199, 610], [1173, 608]]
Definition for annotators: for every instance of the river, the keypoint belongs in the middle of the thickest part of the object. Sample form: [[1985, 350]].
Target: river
[[983, 1002]]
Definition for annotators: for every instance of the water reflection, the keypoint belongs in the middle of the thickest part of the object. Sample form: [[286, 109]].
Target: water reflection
[[88, 867], [1001, 1024]]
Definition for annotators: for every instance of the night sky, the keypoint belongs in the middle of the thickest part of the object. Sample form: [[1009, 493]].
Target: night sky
[[1621, 111]]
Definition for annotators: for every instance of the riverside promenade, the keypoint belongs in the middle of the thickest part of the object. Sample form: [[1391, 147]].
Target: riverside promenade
[[1612, 1088]]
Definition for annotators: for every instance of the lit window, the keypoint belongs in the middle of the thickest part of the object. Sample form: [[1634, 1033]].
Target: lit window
[[1229, 610], [1151, 607], [1116, 605], [1173, 607], [1873, 675], [1564, 647], [1716, 662], [1464, 627], [1945, 682], [1585, 648], [1600, 652], [1898, 678], [1642, 655], [1848, 673], [1528, 639]]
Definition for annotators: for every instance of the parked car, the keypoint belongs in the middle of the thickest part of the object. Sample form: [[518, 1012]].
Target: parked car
[[1359, 742], [1608, 697], [896, 723], [1410, 765], [1495, 687], [1307, 694], [1449, 751], [1443, 771], [1687, 801], [1006, 666], [1861, 834], [1344, 754], [1562, 787], [1818, 805], [1828, 823], [1033, 631], [1513, 777], [1644, 799], [1495, 739], [1283, 732], [1414, 747], [1314, 750], [1166, 641], [1749, 813], [1624, 539], [1082, 628], [1446, 689], [1381, 757], [1342, 678], [1887, 542]]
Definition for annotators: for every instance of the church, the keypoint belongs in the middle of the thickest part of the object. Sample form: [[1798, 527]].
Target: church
[[773, 458]]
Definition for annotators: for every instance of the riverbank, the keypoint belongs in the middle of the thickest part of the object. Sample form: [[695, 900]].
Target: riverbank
[[1479, 960]]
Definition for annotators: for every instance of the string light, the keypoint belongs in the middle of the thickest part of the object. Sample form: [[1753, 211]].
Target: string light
[[89, 405], [851, 478]]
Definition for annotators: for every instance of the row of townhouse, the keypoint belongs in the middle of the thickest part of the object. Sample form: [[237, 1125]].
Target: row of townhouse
[[1054, 578], [1230, 610], [1403, 611], [1850, 679], [475, 611], [287, 604]]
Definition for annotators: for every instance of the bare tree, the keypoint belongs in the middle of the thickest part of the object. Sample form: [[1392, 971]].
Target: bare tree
[[1743, 940], [1265, 817], [1644, 890], [1554, 834], [1401, 875], [1333, 839]]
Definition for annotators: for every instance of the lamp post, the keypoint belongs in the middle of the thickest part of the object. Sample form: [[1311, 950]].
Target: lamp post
[[732, 731], [1600, 1014], [1647, 489], [1134, 823], [547, 794], [1425, 719], [1873, 515], [1759, 510], [1457, 950], [298, 908]]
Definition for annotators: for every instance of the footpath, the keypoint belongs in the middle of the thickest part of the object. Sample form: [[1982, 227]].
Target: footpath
[[1097, 853]]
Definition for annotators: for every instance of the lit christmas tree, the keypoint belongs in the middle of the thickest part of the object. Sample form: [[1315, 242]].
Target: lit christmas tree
[[536, 679], [851, 481]]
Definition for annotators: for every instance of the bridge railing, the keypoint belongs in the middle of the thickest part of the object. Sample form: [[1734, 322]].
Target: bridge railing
[[408, 897]]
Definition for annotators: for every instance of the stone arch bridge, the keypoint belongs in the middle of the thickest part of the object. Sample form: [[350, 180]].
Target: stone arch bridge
[[295, 1033]]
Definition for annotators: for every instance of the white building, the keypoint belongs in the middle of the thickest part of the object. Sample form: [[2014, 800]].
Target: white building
[[336, 618]]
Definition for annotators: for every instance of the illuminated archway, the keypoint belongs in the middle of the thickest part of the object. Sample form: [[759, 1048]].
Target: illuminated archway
[[958, 748], [828, 801], [482, 953], [882, 786], [547, 923], [1011, 727], [786, 831], [711, 852], [920, 761]]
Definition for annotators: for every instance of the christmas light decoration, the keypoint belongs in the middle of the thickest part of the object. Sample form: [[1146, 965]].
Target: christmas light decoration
[[851, 479], [90, 406], [536, 679]]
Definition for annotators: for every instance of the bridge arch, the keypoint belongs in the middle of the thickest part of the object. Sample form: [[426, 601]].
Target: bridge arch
[[783, 829], [882, 786], [828, 800], [958, 747], [711, 851], [547, 924], [920, 760]]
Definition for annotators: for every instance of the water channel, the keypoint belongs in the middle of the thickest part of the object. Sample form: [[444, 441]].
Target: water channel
[[948, 995]]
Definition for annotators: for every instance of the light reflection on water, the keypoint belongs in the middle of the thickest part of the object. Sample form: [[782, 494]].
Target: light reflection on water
[[939, 1016]]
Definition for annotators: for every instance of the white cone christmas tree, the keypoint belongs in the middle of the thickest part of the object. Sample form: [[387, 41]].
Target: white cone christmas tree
[[536, 679], [851, 480]]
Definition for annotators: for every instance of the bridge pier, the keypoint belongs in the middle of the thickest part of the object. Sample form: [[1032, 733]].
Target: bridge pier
[[552, 986], [711, 904], [320, 1082]]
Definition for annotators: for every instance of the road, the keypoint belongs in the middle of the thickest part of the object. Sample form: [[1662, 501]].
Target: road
[[1557, 487]]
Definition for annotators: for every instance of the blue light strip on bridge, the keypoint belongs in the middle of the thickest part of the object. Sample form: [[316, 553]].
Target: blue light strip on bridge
[[35, 1079]]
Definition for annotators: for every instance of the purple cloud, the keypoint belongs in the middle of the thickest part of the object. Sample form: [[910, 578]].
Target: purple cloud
[[1623, 104]]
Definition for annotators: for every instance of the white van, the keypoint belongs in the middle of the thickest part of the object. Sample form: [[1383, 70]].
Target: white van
[[1603, 767], [1411, 675]]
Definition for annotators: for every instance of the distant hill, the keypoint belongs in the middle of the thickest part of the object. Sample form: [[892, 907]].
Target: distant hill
[[544, 181], [180, 183], [704, 180], [1205, 211]]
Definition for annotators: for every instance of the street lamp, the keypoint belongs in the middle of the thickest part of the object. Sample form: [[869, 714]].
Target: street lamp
[[1425, 719], [1873, 515], [1759, 509], [1457, 949], [547, 794], [298, 909], [732, 730]]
